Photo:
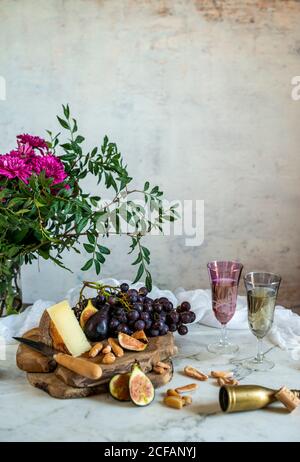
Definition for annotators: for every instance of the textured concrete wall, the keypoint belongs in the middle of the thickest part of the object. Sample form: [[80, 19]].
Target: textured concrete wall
[[198, 96]]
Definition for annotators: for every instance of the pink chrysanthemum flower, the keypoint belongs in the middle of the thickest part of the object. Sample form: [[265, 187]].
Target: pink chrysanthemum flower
[[13, 166], [52, 166], [33, 141]]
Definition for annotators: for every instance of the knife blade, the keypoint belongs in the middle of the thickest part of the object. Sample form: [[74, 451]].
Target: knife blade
[[79, 365]]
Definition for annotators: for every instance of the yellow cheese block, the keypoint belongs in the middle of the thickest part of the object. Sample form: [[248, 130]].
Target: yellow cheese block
[[68, 327]]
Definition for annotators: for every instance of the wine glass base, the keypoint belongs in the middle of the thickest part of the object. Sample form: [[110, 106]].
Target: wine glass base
[[222, 349], [255, 365]]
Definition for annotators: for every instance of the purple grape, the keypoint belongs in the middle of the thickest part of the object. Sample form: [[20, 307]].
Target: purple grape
[[148, 309], [173, 317], [185, 306], [114, 323], [157, 325], [124, 287], [143, 291], [172, 327], [140, 299], [138, 307], [139, 325], [133, 315], [112, 300], [123, 318], [100, 299], [145, 316], [164, 330], [182, 329], [104, 309], [162, 316], [192, 316], [168, 307], [154, 332], [133, 298], [163, 300], [148, 300], [158, 308], [123, 328], [148, 324], [132, 292], [185, 317], [119, 312]]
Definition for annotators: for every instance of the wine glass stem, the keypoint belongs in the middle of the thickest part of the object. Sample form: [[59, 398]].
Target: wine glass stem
[[260, 355], [223, 339]]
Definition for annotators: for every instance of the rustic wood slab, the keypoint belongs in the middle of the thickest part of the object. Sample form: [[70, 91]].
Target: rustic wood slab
[[52, 385], [32, 361], [159, 349]]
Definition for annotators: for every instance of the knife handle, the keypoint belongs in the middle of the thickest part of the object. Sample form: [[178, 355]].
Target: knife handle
[[79, 365]]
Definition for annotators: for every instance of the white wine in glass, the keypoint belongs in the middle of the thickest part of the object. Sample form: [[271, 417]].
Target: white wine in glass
[[262, 289]]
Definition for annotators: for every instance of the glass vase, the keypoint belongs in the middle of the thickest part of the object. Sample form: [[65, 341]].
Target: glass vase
[[10, 287]]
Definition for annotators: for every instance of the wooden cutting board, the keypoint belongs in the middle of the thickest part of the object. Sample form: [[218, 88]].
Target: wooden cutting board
[[59, 382], [56, 388], [158, 349], [32, 361]]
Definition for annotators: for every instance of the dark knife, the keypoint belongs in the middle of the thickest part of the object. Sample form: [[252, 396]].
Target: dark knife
[[79, 365]]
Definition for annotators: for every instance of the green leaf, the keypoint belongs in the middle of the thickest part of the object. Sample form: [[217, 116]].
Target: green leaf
[[97, 266], [75, 128], [154, 190], [148, 282], [66, 110], [139, 274], [146, 186], [100, 257], [138, 260], [66, 146], [91, 238], [103, 249], [63, 123], [89, 247], [82, 224], [87, 265], [79, 139]]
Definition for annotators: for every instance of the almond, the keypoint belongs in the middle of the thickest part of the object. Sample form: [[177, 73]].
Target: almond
[[189, 387], [118, 351], [173, 401]]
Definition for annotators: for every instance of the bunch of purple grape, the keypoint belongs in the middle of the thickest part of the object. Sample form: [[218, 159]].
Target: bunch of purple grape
[[155, 317]]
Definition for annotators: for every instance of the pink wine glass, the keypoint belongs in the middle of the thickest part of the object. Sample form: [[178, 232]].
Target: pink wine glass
[[224, 279]]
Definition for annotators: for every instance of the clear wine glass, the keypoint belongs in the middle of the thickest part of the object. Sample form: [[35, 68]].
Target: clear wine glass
[[224, 280], [262, 289]]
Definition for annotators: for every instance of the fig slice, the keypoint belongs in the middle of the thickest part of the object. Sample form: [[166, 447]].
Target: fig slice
[[88, 311], [130, 343], [141, 336], [140, 387], [119, 387]]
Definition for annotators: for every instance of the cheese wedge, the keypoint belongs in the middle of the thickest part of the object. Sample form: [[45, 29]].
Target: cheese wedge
[[69, 329]]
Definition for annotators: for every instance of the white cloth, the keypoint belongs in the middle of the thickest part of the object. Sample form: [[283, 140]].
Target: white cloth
[[285, 331]]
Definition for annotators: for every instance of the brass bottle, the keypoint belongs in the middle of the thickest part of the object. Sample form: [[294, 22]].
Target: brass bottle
[[246, 397]]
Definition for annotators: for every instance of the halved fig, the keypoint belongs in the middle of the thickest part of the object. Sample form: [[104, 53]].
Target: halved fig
[[141, 336], [130, 343], [119, 387], [88, 311], [140, 387]]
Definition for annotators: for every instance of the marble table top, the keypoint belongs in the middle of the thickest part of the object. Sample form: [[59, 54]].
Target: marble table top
[[29, 414]]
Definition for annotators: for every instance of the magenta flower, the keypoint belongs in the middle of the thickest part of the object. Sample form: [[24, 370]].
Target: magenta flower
[[52, 166], [33, 141], [32, 157], [13, 166]]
